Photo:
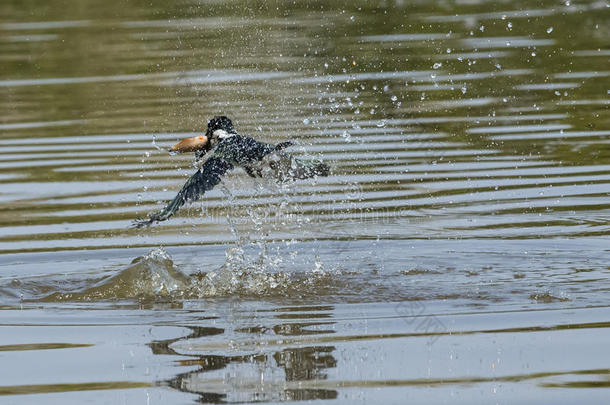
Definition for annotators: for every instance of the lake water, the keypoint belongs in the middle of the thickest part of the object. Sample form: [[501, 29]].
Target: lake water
[[458, 253]]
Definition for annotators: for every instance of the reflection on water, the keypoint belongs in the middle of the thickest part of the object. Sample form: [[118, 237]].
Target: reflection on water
[[458, 251], [296, 365]]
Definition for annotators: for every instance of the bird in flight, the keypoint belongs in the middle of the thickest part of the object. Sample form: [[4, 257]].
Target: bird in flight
[[225, 149]]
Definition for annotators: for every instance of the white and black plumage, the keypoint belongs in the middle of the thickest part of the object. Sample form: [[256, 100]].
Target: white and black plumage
[[225, 150]]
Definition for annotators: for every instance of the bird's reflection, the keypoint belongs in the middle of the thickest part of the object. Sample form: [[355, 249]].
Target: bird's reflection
[[222, 378]]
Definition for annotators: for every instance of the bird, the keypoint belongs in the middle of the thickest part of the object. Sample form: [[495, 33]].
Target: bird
[[222, 149]]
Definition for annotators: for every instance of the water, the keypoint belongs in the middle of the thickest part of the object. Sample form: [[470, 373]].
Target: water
[[458, 253]]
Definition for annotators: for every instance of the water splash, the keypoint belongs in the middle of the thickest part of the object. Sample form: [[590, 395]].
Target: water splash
[[252, 267], [153, 276]]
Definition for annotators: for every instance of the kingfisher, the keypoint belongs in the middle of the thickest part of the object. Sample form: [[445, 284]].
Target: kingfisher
[[220, 150]]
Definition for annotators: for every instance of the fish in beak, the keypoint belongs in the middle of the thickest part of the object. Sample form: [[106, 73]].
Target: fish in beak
[[193, 144]]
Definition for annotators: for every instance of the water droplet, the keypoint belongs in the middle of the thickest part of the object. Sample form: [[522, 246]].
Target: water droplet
[[154, 143], [437, 65], [394, 98], [318, 265], [533, 53], [510, 25], [464, 90], [448, 50], [482, 28], [306, 121], [381, 123], [549, 30]]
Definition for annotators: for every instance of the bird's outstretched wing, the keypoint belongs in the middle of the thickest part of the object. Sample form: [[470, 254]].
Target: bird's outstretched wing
[[206, 178]]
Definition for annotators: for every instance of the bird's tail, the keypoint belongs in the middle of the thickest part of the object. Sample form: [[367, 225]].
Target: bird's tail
[[286, 167], [305, 169]]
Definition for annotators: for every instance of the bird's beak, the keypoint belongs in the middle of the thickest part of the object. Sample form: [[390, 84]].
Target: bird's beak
[[190, 144]]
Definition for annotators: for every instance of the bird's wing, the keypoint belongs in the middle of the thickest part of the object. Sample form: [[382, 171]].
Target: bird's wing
[[206, 178]]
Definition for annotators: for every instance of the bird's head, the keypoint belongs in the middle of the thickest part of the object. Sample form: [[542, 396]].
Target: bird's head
[[219, 127]]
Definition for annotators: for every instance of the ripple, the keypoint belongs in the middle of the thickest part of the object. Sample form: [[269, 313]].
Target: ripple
[[50, 162], [179, 78], [227, 77], [403, 37], [581, 75], [518, 128], [552, 135], [494, 15], [547, 86], [44, 25], [505, 42], [30, 38], [28, 125]]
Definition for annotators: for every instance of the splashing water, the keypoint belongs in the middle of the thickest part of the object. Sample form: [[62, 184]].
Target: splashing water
[[152, 276], [155, 277], [254, 266]]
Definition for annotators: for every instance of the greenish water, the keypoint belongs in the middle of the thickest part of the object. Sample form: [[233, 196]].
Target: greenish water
[[458, 253]]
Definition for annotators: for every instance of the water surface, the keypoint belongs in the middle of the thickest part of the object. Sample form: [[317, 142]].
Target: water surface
[[458, 253]]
